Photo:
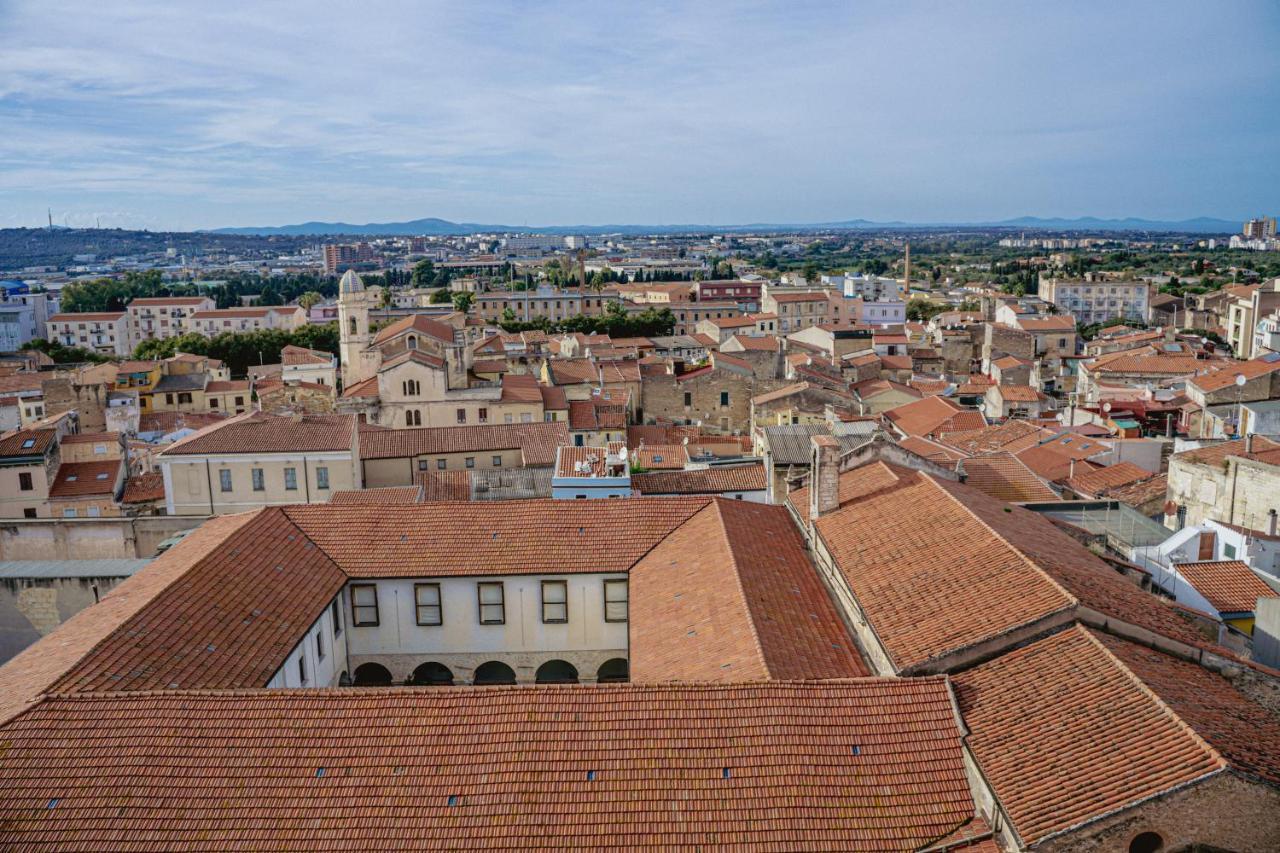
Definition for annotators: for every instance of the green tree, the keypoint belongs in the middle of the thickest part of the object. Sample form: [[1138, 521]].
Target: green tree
[[462, 301], [424, 273], [439, 297]]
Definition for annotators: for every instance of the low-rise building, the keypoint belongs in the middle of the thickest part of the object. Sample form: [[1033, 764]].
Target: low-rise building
[[160, 317], [103, 332]]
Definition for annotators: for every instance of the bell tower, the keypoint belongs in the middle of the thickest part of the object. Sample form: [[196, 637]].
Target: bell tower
[[353, 329]]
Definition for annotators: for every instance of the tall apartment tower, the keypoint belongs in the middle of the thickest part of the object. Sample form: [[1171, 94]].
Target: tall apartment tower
[[1263, 228]]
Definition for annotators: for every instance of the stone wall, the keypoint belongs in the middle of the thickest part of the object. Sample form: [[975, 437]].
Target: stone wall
[[663, 400], [89, 538], [32, 607], [88, 401]]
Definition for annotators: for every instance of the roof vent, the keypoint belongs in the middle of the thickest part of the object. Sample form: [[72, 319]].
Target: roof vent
[[319, 772], [724, 773], [52, 803], [591, 775], [453, 799], [855, 749]]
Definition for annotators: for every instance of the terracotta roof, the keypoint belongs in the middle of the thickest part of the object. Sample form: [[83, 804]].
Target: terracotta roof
[[258, 432], [659, 456], [443, 485], [584, 461], [978, 569], [780, 393], [419, 323], [1095, 482], [597, 413], [762, 343], [553, 398], [143, 488], [1005, 477], [1049, 722], [363, 388], [1018, 393], [223, 386], [538, 441], [295, 355], [81, 479], [1052, 465], [1150, 365], [703, 481], [929, 449], [493, 538], [87, 316], [839, 765], [16, 383], [416, 356], [1013, 436], [378, 497], [820, 296], [930, 386], [1139, 493], [1225, 377], [91, 438], [731, 596], [136, 366], [1264, 450], [896, 362], [228, 313], [168, 300], [933, 416], [573, 371], [520, 388], [1228, 585]]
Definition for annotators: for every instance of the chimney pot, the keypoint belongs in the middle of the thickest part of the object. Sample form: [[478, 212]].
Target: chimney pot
[[1271, 522]]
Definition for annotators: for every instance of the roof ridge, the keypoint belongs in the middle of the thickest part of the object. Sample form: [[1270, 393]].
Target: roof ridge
[[742, 590], [1075, 602]]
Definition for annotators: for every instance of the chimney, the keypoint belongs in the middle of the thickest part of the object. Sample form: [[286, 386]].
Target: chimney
[[1071, 474], [1248, 443], [824, 476], [1271, 522], [906, 272]]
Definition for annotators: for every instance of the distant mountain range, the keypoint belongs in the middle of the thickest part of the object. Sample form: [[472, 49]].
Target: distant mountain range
[[443, 227]]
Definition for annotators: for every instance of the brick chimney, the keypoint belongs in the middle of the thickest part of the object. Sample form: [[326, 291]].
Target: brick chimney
[[824, 476]]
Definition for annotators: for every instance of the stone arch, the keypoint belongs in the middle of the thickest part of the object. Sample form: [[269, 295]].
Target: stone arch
[[1146, 842], [432, 672], [372, 675], [613, 670], [557, 672], [494, 672]]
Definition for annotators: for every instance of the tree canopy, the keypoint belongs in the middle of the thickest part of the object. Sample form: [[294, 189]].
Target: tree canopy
[[241, 350]]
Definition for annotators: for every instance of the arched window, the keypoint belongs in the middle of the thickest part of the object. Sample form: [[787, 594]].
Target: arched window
[[557, 672], [412, 342], [372, 675], [495, 672], [1146, 842], [433, 673], [613, 670], [412, 417], [352, 325]]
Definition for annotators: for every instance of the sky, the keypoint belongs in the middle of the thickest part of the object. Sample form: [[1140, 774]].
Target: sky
[[176, 116]]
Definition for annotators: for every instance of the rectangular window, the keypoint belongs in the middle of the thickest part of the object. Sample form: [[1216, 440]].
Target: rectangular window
[[364, 604], [426, 598], [441, 464], [1229, 551], [302, 669], [24, 481], [555, 602], [259, 482], [184, 397], [319, 646], [422, 464], [497, 462], [462, 416], [724, 399], [483, 415], [526, 417], [688, 399], [322, 478], [224, 479], [471, 462], [493, 609], [615, 601], [291, 479], [68, 513], [29, 512], [335, 613]]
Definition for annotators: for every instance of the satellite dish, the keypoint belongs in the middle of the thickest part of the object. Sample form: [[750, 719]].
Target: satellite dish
[[1240, 380], [622, 454], [1106, 407]]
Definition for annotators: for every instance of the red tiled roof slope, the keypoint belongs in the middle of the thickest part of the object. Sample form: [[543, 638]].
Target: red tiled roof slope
[[1228, 585], [873, 764]]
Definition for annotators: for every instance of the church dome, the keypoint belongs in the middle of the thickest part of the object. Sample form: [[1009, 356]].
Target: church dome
[[350, 283]]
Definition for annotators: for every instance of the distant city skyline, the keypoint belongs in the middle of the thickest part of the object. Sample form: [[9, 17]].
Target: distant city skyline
[[204, 116]]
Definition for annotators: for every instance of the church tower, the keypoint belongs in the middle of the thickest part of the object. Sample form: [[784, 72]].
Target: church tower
[[353, 329]]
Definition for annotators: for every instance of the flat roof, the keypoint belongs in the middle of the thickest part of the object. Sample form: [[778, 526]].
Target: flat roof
[[103, 568]]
